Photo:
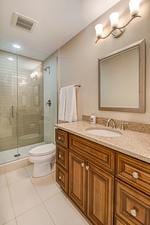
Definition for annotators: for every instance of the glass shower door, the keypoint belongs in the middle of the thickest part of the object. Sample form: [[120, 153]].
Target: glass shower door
[[50, 93], [8, 106], [30, 104]]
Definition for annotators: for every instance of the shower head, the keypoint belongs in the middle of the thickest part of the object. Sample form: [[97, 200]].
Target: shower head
[[47, 69]]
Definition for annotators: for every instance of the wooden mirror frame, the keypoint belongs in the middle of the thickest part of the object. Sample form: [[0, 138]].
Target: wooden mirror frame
[[142, 79]]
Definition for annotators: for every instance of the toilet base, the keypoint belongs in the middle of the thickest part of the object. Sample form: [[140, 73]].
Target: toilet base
[[41, 169]]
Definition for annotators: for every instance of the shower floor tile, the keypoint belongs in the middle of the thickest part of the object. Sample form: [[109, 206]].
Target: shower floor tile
[[8, 155], [25, 203]]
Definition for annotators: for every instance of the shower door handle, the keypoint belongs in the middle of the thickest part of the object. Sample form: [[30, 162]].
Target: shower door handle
[[12, 111]]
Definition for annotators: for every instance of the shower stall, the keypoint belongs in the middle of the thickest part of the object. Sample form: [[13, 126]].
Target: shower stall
[[22, 106]]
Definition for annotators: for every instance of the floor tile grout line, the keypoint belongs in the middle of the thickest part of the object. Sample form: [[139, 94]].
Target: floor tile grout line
[[16, 221], [66, 199], [28, 210], [11, 201], [17, 181], [49, 213], [45, 206], [12, 204], [42, 202]]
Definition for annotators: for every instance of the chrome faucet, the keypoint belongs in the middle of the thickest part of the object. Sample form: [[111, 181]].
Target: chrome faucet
[[111, 121]]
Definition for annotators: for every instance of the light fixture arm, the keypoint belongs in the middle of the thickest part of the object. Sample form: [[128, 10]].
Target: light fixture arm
[[120, 29]]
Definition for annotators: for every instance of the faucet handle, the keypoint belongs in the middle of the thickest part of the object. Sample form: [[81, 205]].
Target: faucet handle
[[123, 125], [107, 123]]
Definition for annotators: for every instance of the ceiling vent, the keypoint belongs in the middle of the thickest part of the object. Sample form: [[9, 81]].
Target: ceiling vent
[[23, 22]]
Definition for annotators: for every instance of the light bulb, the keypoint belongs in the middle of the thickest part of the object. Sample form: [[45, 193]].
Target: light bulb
[[99, 30], [16, 46], [10, 59], [114, 19], [134, 6]]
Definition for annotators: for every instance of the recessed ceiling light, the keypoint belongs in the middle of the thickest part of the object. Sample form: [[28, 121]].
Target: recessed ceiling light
[[16, 46], [10, 59]]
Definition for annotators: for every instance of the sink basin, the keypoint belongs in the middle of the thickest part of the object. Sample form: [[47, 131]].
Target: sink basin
[[103, 132]]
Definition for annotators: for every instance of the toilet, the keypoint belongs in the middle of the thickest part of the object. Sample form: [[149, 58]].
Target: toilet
[[43, 159]]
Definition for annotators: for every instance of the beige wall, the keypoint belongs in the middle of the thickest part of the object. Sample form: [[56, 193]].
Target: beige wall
[[78, 60]]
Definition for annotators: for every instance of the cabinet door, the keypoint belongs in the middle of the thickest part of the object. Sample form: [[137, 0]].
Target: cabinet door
[[100, 196], [77, 180]]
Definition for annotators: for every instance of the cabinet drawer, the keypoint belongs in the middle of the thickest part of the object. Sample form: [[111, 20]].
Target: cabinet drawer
[[132, 206], [94, 153], [62, 178], [134, 172], [62, 138], [120, 222], [62, 156]]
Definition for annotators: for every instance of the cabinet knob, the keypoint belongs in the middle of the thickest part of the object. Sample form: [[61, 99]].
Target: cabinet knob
[[59, 156], [59, 138], [87, 167], [133, 212], [59, 177], [82, 164], [135, 175]]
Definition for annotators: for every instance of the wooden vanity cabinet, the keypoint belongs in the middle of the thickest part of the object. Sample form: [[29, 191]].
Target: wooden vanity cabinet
[[132, 189], [91, 189], [91, 179], [109, 187], [62, 154]]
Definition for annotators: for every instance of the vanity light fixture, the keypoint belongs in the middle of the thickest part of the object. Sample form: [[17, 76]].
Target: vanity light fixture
[[117, 31]]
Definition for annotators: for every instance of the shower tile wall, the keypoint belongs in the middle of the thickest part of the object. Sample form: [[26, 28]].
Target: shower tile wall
[[30, 102], [21, 101], [8, 93]]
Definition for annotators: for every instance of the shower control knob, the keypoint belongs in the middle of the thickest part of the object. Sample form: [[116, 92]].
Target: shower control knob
[[49, 103]]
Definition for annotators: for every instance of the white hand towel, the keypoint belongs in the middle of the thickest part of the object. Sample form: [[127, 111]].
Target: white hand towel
[[62, 103], [71, 104]]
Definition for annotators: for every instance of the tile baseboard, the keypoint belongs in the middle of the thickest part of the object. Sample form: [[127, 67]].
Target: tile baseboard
[[17, 164]]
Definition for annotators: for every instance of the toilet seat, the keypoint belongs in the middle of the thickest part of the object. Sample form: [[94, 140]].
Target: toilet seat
[[43, 150]]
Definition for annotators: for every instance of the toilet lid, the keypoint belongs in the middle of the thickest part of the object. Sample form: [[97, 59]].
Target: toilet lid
[[43, 150]]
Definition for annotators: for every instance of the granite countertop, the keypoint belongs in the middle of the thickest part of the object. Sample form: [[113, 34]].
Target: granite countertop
[[135, 144]]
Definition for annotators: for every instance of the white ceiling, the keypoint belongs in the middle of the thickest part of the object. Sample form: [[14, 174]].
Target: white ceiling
[[58, 22]]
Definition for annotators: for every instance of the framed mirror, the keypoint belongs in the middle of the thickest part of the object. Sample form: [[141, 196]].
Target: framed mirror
[[121, 83]]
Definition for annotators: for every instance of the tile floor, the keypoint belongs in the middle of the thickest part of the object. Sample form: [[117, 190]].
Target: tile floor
[[25, 203]]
